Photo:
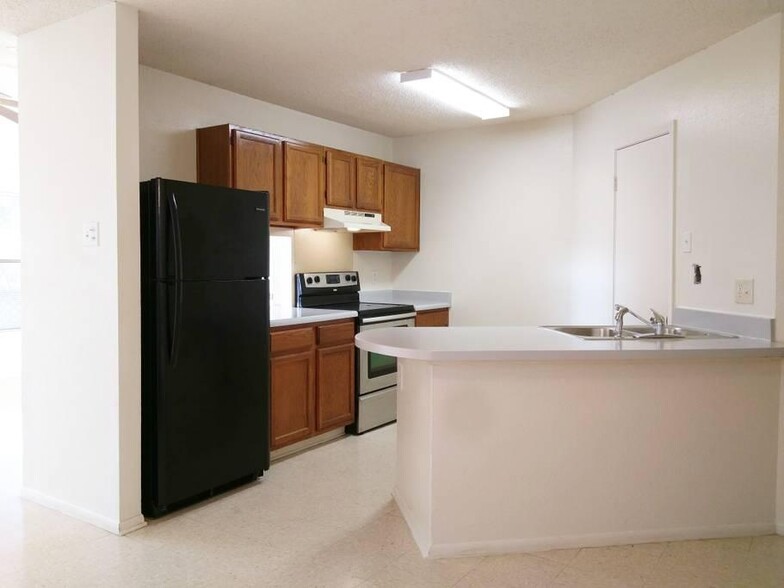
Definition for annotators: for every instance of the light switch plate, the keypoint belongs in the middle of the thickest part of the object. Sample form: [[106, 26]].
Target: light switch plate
[[744, 291], [686, 242], [90, 234]]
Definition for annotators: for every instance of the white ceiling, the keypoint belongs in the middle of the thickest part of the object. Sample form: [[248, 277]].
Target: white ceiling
[[337, 58], [21, 16]]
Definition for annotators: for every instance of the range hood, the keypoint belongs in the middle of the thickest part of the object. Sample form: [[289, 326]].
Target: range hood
[[354, 221]]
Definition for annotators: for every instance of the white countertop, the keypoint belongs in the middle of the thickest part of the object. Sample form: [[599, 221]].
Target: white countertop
[[536, 343], [284, 316], [421, 299]]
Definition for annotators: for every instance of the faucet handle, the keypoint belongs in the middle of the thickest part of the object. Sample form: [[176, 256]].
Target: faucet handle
[[658, 318]]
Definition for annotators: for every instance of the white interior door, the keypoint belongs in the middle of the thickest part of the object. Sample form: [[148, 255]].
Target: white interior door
[[643, 226]]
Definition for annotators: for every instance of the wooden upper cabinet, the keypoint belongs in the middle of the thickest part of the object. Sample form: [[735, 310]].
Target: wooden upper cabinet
[[400, 211], [370, 183], [213, 156], [235, 157], [341, 179], [258, 165], [401, 207], [303, 184], [303, 178]]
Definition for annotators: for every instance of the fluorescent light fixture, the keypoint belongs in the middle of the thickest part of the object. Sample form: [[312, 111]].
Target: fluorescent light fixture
[[449, 90]]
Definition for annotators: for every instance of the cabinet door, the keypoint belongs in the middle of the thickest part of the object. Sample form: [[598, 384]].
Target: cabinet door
[[433, 318], [303, 185], [341, 179], [293, 396], [401, 207], [335, 389], [258, 165], [370, 184]]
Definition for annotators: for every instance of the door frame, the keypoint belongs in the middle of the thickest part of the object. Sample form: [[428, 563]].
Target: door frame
[[670, 131]]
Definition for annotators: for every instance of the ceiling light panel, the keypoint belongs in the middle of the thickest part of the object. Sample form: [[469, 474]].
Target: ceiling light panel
[[448, 90]]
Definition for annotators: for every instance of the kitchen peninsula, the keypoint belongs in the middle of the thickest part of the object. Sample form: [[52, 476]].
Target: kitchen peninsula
[[522, 438]]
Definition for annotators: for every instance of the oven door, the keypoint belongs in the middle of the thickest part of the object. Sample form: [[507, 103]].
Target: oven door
[[377, 371]]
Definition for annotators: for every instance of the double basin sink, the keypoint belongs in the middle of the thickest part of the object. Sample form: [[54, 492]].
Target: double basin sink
[[635, 332]]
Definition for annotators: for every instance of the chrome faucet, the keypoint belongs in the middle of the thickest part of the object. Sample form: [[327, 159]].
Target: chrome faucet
[[658, 321]]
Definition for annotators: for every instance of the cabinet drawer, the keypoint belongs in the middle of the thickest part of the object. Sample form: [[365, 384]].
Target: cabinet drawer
[[336, 334], [292, 340]]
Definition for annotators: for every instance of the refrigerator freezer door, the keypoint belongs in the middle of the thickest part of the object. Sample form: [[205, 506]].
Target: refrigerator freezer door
[[210, 233], [210, 415]]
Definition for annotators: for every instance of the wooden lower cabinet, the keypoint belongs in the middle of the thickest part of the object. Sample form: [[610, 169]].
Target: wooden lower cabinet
[[335, 388], [312, 380], [293, 398], [433, 318]]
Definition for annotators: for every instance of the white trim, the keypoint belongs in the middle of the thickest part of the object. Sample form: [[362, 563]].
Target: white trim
[[651, 138], [446, 550], [132, 524], [112, 525]]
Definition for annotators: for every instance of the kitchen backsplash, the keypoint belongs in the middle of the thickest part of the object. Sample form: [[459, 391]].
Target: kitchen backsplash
[[319, 251]]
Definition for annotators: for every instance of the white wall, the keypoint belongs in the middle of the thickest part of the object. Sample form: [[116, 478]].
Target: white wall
[[528, 207], [495, 211], [79, 162], [725, 102], [173, 107]]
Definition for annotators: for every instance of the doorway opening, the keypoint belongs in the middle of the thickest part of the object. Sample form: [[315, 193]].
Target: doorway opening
[[643, 224]]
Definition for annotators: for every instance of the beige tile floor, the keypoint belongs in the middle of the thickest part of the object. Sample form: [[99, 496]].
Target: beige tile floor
[[325, 518]]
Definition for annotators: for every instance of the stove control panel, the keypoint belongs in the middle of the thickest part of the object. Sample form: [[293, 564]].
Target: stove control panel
[[328, 280]]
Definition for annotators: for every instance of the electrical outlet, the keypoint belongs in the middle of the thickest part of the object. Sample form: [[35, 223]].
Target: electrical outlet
[[90, 234], [373, 277], [744, 291]]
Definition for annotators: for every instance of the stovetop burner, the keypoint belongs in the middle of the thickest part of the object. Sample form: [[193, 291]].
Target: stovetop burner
[[370, 309]]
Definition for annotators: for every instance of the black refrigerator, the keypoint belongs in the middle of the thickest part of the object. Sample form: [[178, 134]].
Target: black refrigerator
[[205, 340]]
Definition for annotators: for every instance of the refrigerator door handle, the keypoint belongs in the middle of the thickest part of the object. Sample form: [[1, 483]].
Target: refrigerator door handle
[[177, 239]]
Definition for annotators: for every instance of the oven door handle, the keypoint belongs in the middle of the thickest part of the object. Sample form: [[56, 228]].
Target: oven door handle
[[387, 319]]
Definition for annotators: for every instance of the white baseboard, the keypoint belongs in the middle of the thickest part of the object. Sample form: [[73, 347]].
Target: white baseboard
[[445, 550], [420, 535], [132, 524], [115, 526]]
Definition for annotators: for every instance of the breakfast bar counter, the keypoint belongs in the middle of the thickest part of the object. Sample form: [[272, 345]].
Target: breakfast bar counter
[[540, 343], [522, 439]]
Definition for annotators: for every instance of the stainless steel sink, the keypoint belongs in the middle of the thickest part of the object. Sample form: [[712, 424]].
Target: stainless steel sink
[[594, 332], [641, 332]]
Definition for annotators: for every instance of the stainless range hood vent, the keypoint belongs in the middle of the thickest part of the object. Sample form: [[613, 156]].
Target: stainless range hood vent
[[354, 221]]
